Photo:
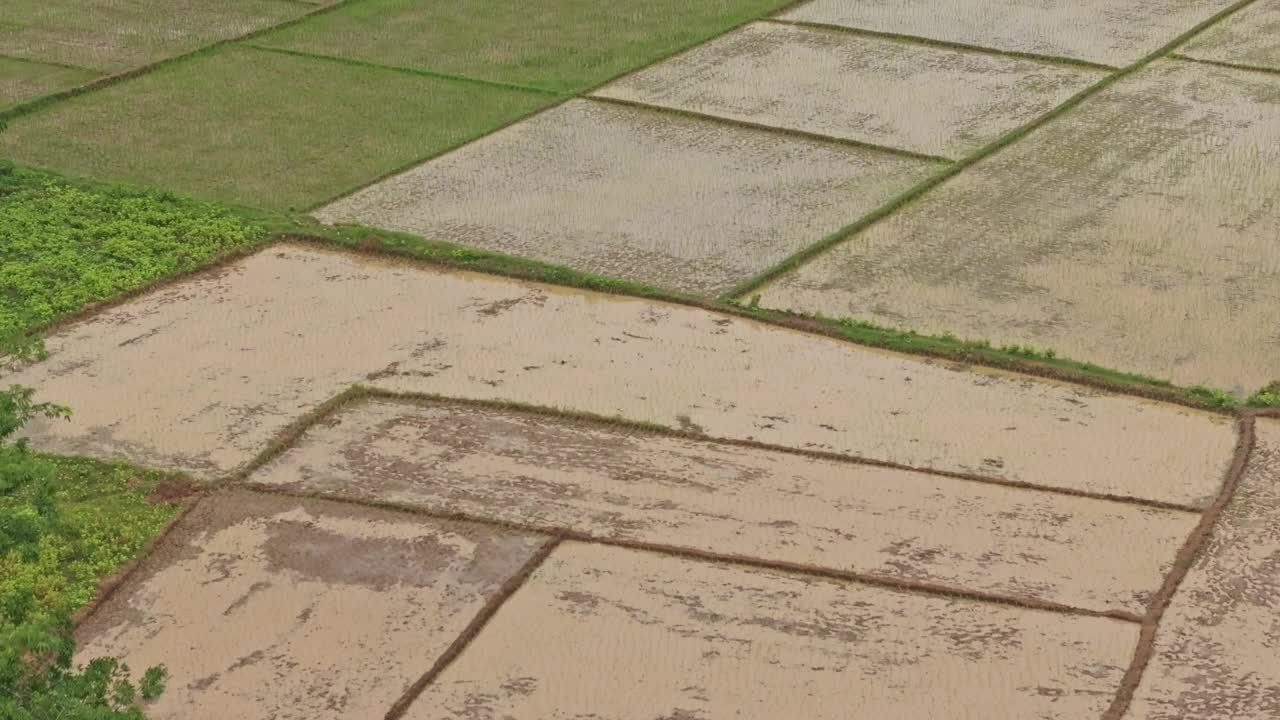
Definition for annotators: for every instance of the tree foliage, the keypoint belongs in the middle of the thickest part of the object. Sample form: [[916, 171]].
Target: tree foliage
[[37, 677]]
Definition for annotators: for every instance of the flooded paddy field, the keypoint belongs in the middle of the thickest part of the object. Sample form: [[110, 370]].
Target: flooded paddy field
[[634, 467]]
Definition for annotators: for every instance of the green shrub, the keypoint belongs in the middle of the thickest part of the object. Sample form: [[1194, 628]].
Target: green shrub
[[1268, 396], [63, 247], [52, 555]]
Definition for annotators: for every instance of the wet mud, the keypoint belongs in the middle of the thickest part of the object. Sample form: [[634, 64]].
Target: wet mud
[[628, 635], [632, 486], [233, 358], [1215, 653], [270, 607]]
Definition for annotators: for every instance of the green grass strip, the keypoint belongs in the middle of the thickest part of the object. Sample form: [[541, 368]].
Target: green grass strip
[[1227, 65], [400, 68]]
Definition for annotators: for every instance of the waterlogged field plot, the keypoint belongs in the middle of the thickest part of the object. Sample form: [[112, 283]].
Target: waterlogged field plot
[[833, 531], [270, 608], [1250, 37], [1110, 32], [1215, 654], [911, 97], [1137, 231], [564, 45], [24, 79], [609, 483], [259, 128], [631, 635], [249, 349], [679, 202], [117, 35]]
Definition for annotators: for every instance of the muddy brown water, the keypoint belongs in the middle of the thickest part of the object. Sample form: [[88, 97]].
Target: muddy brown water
[[1215, 654], [232, 357], [269, 607], [630, 635], [627, 486]]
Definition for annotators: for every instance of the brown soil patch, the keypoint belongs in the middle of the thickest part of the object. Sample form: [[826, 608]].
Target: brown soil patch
[[176, 490]]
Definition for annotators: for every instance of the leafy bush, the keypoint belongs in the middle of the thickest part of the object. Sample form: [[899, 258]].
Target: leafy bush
[[64, 524], [63, 247], [1268, 396]]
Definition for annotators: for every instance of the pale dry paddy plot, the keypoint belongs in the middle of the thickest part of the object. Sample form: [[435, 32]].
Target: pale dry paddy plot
[[912, 97], [625, 486], [1137, 231], [1249, 37], [1110, 32], [232, 357], [630, 635], [678, 202], [1217, 649], [265, 607]]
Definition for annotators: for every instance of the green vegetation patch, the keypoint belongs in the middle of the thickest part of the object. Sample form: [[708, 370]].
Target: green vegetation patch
[[1266, 397], [63, 247], [65, 525], [23, 80], [101, 520], [562, 45], [123, 34], [258, 128]]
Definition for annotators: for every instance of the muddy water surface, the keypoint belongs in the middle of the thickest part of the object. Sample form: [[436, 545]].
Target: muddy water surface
[[267, 607], [626, 635], [630, 486], [1217, 649], [1249, 37], [202, 375]]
